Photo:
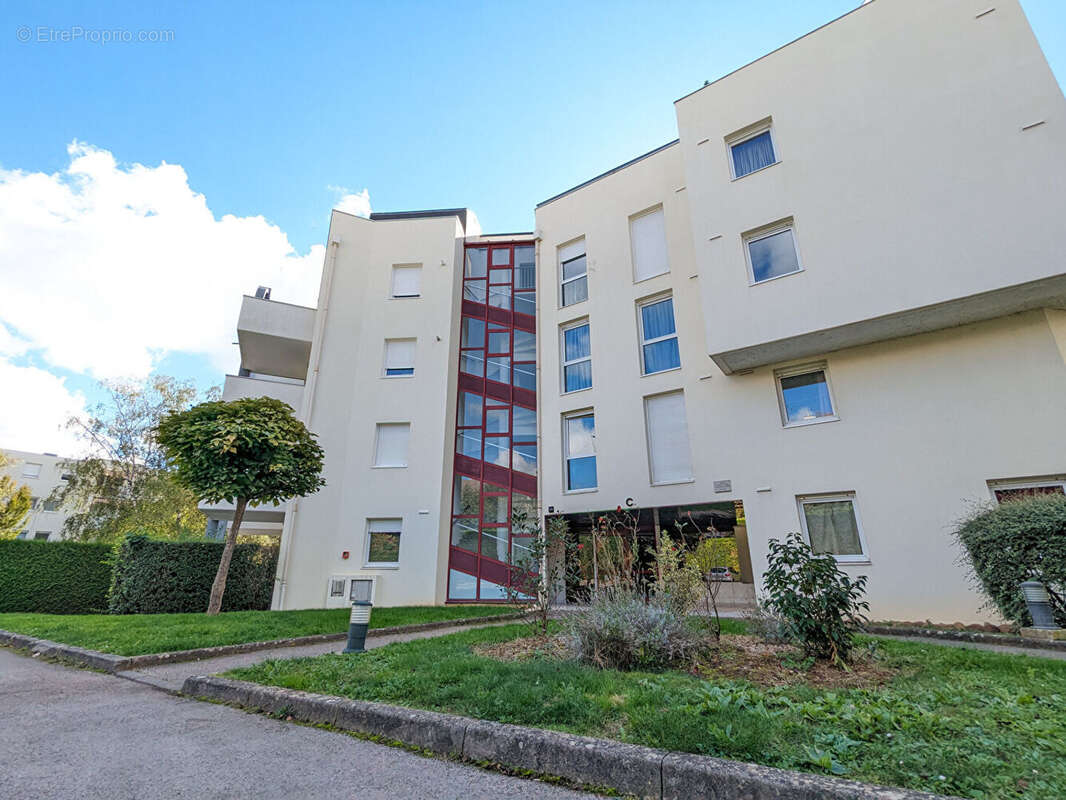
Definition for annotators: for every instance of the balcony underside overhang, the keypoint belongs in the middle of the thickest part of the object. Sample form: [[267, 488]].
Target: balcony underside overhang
[[274, 355], [1044, 293], [273, 514]]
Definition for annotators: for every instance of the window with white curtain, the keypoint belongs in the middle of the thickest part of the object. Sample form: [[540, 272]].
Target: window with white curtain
[[751, 150], [406, 280], [658, 336], [390, 447], [579, 435], [647, 237], [573, 272], [831, 524], [399, 358], [669, 450], [577, 357]]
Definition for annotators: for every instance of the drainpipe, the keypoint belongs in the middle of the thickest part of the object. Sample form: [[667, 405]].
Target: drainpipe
[[306, 407]]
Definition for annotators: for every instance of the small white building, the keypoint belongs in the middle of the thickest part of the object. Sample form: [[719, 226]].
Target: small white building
[[836, 304], [43, 473]]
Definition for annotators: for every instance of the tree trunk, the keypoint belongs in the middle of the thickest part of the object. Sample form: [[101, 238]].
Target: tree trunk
[[218, 588]]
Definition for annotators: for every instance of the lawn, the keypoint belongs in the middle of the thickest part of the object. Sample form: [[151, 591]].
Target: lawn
[[136, 634], [953, 721]]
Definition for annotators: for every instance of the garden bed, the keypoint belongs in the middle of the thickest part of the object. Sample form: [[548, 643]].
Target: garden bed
[[138, 634], [947, 720]]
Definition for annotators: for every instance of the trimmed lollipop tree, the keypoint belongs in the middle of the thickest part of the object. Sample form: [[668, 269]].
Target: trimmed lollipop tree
[[252, 450]]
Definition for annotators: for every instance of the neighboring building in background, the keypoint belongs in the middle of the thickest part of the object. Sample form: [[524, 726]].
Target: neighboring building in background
[[836, 304], [43, 473]]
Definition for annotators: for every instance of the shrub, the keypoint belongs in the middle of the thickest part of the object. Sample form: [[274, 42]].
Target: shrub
[[678, 580], [621, 631], [54, 577], [158, 577], [1014, 541], [765, 624], [818, 602]]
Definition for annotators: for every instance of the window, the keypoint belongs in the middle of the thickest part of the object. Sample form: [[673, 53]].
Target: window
[[42, 536], [406, 280], [579, 433], [461, 586], [383, 542], [524, 437], [751, 150], [399, 357], [577, 358], [574, 272], [658, 336], [1004, 491], [831, 524], [51, 505], [647, 237], [336, 587], [803, 394], [772, 253], [31, 470], [390, 450], [668, 443]]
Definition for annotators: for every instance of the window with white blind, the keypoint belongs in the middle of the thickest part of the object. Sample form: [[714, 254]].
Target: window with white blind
[[407, 280], [573, 273], [669, 451], [647, 236], [399, 358], [390, 447], [383, 542], [31, 470]]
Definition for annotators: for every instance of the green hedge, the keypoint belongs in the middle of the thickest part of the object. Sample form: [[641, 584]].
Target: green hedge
[[154, 577], [54, 577], [1013, 541]]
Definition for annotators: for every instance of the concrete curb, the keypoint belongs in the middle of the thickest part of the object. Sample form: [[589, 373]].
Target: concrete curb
[[980, 637], [114, 663], [630, 769]]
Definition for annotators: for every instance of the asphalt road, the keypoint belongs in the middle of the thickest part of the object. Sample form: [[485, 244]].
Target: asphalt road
[[71, 733]]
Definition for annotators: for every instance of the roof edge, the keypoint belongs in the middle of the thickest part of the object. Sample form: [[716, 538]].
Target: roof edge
[[629, 163]]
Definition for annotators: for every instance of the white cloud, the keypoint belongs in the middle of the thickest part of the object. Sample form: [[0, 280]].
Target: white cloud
[[36, 405], [104, 268], [357, 203]]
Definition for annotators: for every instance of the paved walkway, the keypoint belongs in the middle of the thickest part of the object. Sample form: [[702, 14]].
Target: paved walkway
[[72, 733], [1017, 650], [172, 676]]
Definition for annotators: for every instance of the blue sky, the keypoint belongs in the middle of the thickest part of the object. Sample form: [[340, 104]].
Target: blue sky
[[277, 110]]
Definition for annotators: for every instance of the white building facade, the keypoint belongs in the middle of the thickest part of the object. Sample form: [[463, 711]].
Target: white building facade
[[835, 305], [43, 474]]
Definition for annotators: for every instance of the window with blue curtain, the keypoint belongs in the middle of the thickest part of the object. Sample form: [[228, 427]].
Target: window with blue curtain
[[659, 337], [577, 359], [752, 154]]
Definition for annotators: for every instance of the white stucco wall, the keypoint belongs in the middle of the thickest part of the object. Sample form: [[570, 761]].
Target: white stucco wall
[[52, 469], [902, 160], [350, 396]]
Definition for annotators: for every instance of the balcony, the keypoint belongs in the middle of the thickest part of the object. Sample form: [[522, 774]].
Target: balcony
[[275, 338], [238, 386]]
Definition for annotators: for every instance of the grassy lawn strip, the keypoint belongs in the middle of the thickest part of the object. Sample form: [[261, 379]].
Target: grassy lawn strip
[[955, 721], [136, 634]]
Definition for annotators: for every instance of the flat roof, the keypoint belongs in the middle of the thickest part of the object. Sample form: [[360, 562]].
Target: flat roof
[[381, 216], [629, 163]]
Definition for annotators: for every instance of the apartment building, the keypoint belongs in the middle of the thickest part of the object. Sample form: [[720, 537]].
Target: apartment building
[[835, 305], [43, 473]]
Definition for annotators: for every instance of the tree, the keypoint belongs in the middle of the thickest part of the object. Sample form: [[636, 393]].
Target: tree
[[540, 570], [125, 485], [712, 554], [15, 502], [244, 451]]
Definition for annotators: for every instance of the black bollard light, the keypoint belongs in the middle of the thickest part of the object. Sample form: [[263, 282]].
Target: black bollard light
[[357, 626], [1036, 598]]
